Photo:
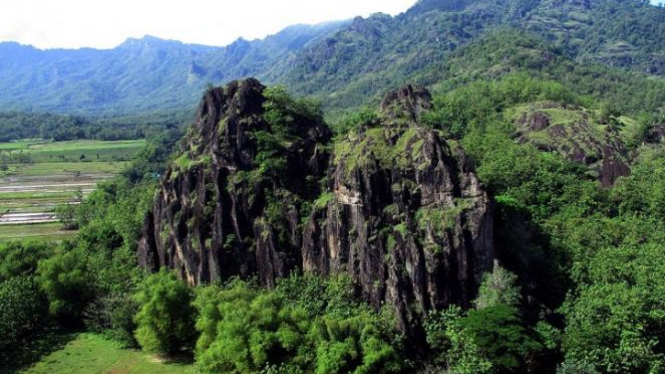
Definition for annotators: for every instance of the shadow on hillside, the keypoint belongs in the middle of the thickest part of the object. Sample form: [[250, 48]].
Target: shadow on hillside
[[33, 348]]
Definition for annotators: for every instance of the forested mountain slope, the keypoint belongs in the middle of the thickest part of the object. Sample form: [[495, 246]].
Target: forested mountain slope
[[141, 75], [359, 61], [347, 63]]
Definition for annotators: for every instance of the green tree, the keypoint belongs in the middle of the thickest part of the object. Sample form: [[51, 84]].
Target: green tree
[[616, 320], [454, 349], [356, 344], [65, 280], [500, 335], [165, 318], [22, 258], [22, 308], [244, 330], [498, 287]]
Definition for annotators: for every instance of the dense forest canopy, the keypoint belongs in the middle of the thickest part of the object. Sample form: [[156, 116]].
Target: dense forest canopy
[[24, 125]]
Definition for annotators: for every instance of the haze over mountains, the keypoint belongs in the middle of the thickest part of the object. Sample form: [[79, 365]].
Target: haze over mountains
[[353, 62]]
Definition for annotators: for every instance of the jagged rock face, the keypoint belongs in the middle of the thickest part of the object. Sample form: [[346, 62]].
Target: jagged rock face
[[577, 137], [212, 217], [394, 205], [406, 217]]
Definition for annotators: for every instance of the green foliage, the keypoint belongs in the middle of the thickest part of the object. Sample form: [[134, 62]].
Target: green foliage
[[65, 280], [244, 330], [26, 125], [305, 325], [544, 183], [21, 259], [501, 337], [121, 324], [643, 192], [165, 320], [22, 309], [499, 287], [269, 160], [287, 115], [354, 120], [616, 319], [353, 345], [453, 347], [317, 296], [576, 367], [471, 106]]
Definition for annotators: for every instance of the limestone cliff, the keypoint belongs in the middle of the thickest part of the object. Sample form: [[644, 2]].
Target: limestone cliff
[[260, 190]]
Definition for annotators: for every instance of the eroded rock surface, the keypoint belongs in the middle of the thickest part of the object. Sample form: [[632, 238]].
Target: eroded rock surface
[[577, 136], [393, 204]]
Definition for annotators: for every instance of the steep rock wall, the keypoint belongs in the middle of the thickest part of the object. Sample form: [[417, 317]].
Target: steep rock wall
[[392, 204]]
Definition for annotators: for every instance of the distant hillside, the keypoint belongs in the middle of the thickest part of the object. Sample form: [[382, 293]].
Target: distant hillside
[[357, 63], [140, 75], [347, 64]]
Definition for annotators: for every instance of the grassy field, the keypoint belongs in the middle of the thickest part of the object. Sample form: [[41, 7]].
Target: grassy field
[[71, 168], [88, 353], [37, 175], [40, 151], [43, 232]]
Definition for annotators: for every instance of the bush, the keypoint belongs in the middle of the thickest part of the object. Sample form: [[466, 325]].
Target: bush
[[576, 367], [66, 283], [244, 330], [165, 318], [122, 329], [358, 344]]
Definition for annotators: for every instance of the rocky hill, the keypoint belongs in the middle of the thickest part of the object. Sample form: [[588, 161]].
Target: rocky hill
[[260, 190]]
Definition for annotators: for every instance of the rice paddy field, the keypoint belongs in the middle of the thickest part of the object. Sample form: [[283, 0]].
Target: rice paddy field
[[36, 176]]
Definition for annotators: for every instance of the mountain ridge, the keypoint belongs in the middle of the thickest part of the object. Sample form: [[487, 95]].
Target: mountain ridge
[[345, 64], [140, 75]]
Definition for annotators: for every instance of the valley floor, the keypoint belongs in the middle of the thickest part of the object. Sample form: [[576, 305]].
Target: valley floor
[[37, 175]]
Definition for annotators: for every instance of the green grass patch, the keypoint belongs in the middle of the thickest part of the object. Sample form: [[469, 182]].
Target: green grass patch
[[73, 168], [91, 354], [30, 195], [39, 232], [74, 151], [10, 146]]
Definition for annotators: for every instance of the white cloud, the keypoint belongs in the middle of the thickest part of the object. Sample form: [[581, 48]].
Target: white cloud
[[105, 24]]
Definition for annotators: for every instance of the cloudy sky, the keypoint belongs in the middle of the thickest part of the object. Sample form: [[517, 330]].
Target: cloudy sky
[[107, 23]]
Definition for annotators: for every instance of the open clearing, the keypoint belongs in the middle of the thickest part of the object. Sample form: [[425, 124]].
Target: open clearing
[[88, 353], [36, 176]]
